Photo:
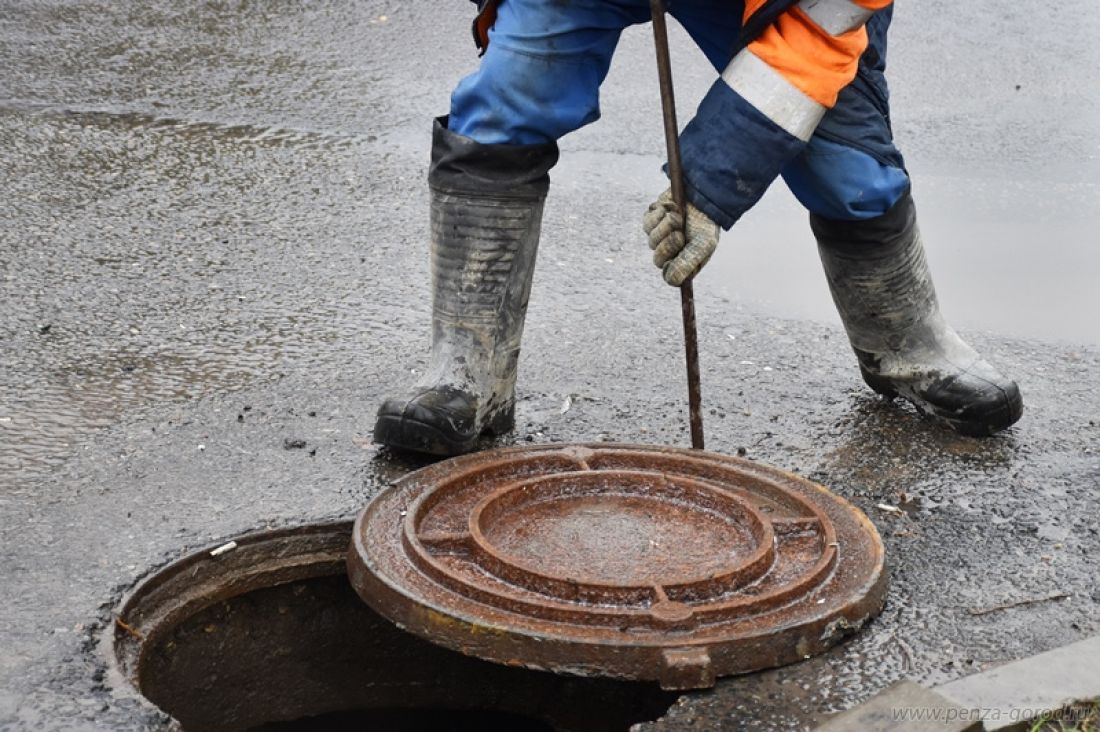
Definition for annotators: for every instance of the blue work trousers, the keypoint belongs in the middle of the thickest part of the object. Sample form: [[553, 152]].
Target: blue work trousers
[[541, 75]]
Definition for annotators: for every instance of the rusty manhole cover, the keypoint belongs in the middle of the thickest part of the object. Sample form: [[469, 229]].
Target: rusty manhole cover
[[635, 562]]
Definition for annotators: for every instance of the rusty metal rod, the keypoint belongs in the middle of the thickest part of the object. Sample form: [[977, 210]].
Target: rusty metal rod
[[676, 176]]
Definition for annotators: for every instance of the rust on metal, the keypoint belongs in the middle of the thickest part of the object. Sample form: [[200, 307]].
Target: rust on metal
[[646, 563]]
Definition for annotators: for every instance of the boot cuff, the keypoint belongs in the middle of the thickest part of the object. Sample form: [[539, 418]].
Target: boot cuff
[[894, 227], [459, 164]]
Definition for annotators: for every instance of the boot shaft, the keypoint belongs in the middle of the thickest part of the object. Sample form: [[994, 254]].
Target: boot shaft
[[878, 276], [486, 215], [483, 261], [483, 251]]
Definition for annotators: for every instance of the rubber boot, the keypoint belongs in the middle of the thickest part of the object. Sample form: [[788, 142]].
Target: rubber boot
[[882, 287], [486, 210]]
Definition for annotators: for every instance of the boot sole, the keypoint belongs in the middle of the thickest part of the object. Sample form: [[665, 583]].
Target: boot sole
[[994, 420], [985, 425], [402, 433]]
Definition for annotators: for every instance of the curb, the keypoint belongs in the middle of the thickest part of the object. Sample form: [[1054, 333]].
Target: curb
[[1007, 697]]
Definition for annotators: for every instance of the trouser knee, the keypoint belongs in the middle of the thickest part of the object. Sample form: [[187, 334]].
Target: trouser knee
[[840, 182], [517, 98]]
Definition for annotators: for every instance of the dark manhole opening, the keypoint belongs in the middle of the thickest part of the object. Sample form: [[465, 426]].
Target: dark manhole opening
[[271, 636]]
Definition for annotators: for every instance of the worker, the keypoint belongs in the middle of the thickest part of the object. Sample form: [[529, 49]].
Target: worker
[[805, 99]]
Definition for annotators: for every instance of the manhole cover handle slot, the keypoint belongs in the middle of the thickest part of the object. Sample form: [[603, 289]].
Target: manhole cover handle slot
[[688, 668]]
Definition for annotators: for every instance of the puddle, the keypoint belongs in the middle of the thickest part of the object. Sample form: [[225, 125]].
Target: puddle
[[983, 244]]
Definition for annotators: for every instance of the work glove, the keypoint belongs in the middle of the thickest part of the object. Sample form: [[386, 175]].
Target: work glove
[[663, 224]]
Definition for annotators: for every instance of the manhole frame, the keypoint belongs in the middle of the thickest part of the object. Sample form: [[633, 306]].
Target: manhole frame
[[158, 601], [174, 594]]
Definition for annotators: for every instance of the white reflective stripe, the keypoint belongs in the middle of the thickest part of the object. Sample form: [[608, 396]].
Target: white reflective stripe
[[835, 17], [781, 101]]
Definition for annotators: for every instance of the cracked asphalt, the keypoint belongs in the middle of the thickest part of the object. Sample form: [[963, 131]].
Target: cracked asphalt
[[213, 241]]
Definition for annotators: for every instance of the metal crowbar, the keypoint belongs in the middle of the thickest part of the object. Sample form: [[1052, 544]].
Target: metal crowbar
[[676, 177]]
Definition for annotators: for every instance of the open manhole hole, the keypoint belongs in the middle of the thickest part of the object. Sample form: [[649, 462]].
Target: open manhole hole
[[271, 636]]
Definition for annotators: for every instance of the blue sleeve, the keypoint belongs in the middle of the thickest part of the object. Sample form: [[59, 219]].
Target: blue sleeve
[[732, 152]]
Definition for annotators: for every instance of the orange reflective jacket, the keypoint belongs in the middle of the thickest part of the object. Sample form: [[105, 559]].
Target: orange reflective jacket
[[808, 56]]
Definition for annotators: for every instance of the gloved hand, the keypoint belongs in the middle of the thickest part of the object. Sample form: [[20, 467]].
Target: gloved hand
[[663, 225]]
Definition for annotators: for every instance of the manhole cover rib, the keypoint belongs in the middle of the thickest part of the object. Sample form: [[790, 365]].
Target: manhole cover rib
[[634, 562]]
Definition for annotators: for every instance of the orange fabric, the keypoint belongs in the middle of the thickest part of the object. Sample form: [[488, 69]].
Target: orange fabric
[[818, 64]]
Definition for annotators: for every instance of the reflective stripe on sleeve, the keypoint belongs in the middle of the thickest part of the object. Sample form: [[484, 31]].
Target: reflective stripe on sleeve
[[835, 17], [778, 99]]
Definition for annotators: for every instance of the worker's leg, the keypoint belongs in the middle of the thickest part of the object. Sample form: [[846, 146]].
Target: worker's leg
[[852, 179], [538, 80], [851, 170]]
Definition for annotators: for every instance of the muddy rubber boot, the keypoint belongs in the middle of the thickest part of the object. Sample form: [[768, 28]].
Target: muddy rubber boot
[[883, 289], [486, 210]]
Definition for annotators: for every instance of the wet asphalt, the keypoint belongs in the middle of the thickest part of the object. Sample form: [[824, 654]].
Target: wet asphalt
[[213, 239]]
